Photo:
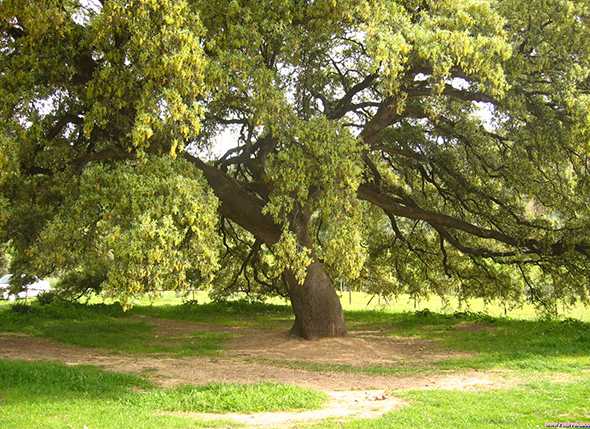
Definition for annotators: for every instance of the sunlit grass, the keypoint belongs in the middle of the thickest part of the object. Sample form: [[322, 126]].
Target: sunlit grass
[[48, 395], [358, 301], [539, 345], [526, 349], [240, 398], [524, 407]]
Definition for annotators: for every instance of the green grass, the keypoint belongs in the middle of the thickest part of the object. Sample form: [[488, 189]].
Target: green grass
[[106, 327], [49, 395], [221, 398], [40, 381], [526, 348], [493, 343], [360, 301], [525, 407], [536, 345]]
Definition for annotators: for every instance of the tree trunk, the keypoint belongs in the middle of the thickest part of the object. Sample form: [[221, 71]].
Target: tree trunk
[[316, 305]]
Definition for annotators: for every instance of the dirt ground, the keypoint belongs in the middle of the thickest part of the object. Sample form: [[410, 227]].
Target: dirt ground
[[360, 348], [256, 355], [249, 354]]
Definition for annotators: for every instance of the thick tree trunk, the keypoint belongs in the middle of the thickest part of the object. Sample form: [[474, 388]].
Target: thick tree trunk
[[316, 305]]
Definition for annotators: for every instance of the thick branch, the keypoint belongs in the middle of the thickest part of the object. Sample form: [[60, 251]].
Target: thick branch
[[386, 115], [344, 105], [441, 222], [372, 194], [238, 204]]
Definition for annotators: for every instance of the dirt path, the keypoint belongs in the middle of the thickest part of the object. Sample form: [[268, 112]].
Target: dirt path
[[170, 371], [343, 404]]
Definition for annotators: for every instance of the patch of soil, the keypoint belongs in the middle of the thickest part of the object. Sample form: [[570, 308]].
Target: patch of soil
[[359, 348], [169, 371], [343, 404]]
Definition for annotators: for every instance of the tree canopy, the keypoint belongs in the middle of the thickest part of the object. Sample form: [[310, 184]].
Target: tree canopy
[[413, 146]]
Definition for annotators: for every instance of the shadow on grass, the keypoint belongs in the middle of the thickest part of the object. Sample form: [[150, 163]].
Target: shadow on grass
[[493, 342], [232, 313], [45, 381], [107, 327]]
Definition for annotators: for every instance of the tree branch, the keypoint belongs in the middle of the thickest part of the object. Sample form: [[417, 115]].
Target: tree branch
[[238, 204], [374, 195]]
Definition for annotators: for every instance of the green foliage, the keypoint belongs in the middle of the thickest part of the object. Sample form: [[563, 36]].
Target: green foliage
[[47, 297], [442, 37], [148, 67], [4, 259], [74, 284], [247, 267], [410, 146], [20, 308], [162, 66], [148, 225]]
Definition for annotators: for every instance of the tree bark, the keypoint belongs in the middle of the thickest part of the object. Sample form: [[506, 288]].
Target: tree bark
[[238, 204], [317, 308]]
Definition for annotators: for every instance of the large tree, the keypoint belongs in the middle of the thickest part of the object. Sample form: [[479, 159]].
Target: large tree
[[401, 145]]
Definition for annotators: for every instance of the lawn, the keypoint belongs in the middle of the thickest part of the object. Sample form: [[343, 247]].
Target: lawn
[[529, 406], [50, 395], [549, 358]]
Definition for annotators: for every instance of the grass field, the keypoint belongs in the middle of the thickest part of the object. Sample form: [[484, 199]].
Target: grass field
[[550, 359], [530, 406], [50, 395]]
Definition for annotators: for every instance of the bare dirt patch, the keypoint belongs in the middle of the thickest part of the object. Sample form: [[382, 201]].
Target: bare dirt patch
[[171, 371], [342, 404], [359, 348]]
